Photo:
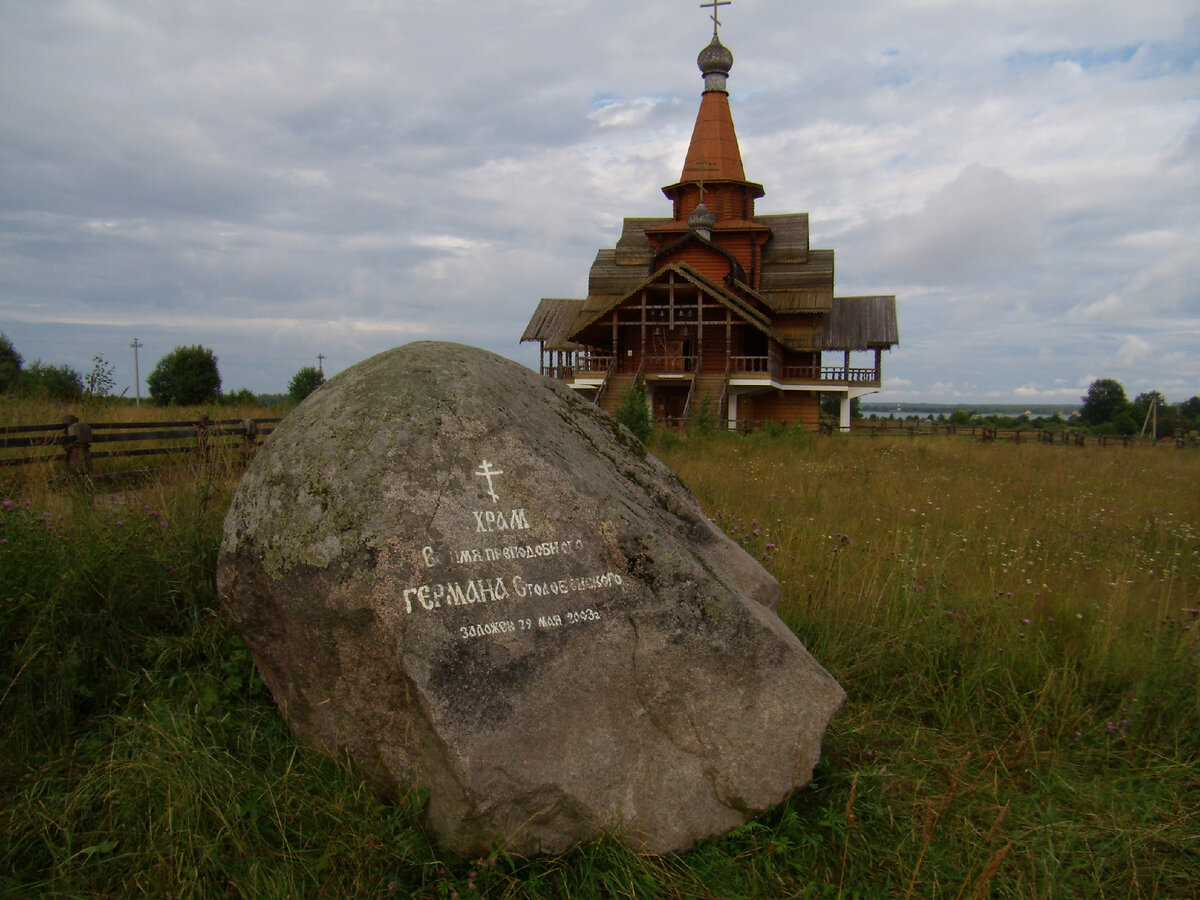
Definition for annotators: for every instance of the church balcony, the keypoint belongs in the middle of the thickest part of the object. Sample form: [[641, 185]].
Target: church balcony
[[585, 368], [749, 369], [667, 368]]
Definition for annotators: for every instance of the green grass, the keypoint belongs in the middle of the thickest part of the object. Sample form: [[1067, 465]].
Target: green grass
[[1016, 627]]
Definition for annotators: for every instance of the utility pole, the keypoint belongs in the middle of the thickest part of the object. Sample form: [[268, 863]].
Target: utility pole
[[1152, 415], [137, 376], [321, 363]]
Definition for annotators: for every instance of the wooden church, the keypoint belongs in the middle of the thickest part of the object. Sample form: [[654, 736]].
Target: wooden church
[[716, 307]]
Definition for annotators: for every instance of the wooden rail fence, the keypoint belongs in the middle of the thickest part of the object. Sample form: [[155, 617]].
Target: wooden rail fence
[[74, 446], [984, 433], [1014, 435]]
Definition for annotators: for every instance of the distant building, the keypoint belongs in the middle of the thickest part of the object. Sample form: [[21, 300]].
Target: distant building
[[716, 302]]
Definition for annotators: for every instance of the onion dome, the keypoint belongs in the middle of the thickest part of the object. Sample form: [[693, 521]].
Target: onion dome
[[702, 221], [714, 62]]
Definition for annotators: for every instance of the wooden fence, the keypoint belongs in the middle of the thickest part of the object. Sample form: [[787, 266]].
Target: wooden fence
[[983, 433], [89, 450], [876, 427]]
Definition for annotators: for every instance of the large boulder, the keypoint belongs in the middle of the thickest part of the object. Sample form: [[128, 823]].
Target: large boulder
[[474, 582]]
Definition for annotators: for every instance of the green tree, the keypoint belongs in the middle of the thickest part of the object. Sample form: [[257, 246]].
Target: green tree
[[634, 413], [10, 364], [101, 380], [962, 417], [185, 376], [703, 419], [1143, 400], [831, 406], [305, 382], [1166, 417], [1189, 411], [49, 382], [1105, 402], [242, 397]]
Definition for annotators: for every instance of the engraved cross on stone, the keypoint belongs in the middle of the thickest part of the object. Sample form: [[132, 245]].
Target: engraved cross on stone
[[715, 6], [486, 471]]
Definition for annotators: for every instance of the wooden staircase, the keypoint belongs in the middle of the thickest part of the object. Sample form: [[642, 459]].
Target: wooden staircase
[[615, 386], [711, 386]]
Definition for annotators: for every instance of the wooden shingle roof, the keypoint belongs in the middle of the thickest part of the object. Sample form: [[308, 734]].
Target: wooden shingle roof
[[551, 322], [858, 323], [789, 240], [633, 248]]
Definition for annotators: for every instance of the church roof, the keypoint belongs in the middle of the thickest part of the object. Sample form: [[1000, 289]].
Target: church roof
[[775, 280], [552, 321], [858, 323], [713, 154]]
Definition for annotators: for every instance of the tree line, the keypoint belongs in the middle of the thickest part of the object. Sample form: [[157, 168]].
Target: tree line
[[1106, 409], [187, 376]]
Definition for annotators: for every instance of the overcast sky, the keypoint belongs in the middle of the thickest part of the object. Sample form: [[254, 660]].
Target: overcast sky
[[278, 180]]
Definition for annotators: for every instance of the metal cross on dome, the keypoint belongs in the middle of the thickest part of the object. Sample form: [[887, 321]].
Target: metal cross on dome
[[715, 6]]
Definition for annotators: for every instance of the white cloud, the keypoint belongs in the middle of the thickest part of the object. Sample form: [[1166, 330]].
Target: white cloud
[[982, 223], [332, 178], [615, 113], [1133, 351]]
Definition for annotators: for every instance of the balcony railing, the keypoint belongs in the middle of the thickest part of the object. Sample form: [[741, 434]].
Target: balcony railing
[[838, 374], [764, 367], [671, 365], [742, 366], [584, 366]]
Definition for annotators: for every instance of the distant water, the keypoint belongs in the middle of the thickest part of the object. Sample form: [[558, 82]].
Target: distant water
[[926, 410], [905, 412]]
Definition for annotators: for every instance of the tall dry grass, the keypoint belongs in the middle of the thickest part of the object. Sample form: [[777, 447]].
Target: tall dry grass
[[1016, 627]]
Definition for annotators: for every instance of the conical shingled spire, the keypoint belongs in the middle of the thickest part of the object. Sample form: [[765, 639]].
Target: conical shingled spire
[[713, 154]]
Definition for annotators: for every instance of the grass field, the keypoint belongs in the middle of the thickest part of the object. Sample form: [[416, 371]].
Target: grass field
[[1016, 626]]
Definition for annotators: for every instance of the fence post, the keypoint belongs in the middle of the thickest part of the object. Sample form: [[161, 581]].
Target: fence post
[[78, 450], [203, 440], [249, 440]]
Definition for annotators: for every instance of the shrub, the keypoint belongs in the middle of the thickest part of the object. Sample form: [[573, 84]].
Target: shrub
[[1104, 402], [101, 379], [185, 376], [44, 381], [634, 413], [10, 364], [704, 419], [305, 382]]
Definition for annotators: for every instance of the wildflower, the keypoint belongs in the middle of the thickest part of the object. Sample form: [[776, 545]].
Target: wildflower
[[1027, 621]]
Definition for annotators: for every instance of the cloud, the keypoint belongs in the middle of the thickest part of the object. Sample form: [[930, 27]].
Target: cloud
[[982, 223], [613, 113], [1133, 351], [282, 180]]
